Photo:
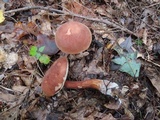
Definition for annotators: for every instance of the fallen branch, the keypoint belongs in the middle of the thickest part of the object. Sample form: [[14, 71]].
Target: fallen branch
[[105, 21]]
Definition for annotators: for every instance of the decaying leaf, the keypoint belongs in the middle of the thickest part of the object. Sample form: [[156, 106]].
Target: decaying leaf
[[3, 55], [127, 44], [19, 88], [129, 114], [114, 104], [154, 77], [46, 27], [11, 59], [7, 27], [108, 117], [7, 97], [48, 43]]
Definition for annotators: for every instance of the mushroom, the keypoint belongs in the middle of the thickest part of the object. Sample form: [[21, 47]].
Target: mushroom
[[73, 37], [104, 86], [55, 77]]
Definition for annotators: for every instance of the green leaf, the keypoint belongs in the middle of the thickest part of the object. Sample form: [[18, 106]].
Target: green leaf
[[38, 55], [45, 59], [129, 64], [41, 49], [33, 51], [139, 42]]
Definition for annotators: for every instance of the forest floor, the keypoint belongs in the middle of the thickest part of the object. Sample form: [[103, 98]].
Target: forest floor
[[125, 49]]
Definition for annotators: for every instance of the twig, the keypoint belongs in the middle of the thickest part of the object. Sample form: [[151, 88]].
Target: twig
[[7, 89], [152, 5], [34, 7], [105, 21], [155, 64]]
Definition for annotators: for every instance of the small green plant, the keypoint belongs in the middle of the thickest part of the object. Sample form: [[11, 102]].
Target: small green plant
[[37, 52], [139, 42]]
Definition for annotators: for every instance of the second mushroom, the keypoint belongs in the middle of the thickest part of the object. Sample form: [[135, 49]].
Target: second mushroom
[[55, 79]]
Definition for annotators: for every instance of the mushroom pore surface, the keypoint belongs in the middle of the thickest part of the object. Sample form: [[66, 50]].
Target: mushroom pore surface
[[73, 37]]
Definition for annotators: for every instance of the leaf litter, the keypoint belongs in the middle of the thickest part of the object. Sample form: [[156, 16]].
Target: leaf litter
[[21, 74]]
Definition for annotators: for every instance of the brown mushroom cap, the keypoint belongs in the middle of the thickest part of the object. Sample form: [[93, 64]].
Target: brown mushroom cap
[[55, 77], [73, 37]]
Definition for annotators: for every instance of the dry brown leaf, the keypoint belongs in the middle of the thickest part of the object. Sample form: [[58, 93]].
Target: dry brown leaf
[[114, 104], [93, 68], [40, 114], [46, 27], [140, 103], [27, 80], [78, 56], [150, 115], [145, 35], [3, 55], [2, 5], [19, 88], [7, 97], [154, 77], [76, 7], [105, 11], [129, 114], [108, 117], [80, 114], [11, 59], [7, 27]]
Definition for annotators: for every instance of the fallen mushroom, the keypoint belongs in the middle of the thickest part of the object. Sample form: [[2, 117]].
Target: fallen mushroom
[[104, 86], [55, 77], [73, 37]]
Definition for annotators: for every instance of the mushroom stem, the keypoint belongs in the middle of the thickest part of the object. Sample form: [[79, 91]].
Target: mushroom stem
[[104, 86], [92, 83]]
